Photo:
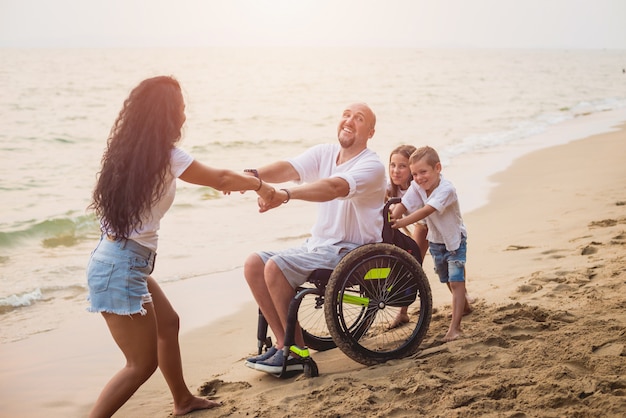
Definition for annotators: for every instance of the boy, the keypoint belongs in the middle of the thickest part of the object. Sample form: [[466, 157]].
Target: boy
[[434, 198]]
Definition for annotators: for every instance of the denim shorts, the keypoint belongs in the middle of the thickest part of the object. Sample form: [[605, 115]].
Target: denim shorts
[[298, 263], [449, 265], [117, 277]]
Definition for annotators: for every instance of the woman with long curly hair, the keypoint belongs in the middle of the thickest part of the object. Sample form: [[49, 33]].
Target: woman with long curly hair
[[135, 188]]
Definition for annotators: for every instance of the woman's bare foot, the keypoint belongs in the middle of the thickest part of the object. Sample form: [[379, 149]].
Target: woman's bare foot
[[195, 404], [401, 319]]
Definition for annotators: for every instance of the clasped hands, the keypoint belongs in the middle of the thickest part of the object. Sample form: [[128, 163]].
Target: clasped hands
[[270, 199]]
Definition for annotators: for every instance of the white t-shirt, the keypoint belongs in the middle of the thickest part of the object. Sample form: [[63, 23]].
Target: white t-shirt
[[356, 218], [400, 192], [445, 225], [148, 235]]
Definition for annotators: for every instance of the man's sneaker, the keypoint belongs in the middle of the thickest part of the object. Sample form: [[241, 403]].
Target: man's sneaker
[[250, 362], [274, 364]]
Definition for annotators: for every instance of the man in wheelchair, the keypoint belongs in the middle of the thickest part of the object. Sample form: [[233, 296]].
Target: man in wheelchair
[[348, 181]]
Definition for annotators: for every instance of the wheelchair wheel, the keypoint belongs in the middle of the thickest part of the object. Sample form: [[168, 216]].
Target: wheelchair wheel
[[365, 293], [313, 323], [312, 320]]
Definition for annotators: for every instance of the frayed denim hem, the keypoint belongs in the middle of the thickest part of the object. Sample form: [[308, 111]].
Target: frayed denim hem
[[147, 298]]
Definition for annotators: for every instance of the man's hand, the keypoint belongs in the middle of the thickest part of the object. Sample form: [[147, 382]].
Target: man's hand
[[267, 197], [274, 200]]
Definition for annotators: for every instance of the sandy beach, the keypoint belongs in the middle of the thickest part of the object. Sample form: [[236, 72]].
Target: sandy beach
[[546, 262]]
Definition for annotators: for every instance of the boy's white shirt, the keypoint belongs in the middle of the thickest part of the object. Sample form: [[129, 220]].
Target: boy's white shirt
[[445, 224]]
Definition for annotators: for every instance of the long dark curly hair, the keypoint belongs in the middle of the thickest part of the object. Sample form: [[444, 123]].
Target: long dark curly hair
[[137, 156]]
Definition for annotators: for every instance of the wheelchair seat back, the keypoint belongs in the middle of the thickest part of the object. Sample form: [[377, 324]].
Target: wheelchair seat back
[[397, 238]]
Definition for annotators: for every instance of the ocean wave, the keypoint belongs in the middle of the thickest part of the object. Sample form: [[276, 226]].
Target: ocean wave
[[13, 302], [41, 294], [528, 128], [55, 232], [213, 147]]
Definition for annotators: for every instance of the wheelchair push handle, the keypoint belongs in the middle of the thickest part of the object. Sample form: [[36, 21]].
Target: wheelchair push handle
[[388, 231], [390, 202]]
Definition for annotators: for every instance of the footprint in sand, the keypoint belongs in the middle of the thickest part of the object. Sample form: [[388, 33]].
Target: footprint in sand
[[212, 387], [606, 223], [619, 239], [521, 311], [523, 333], [552, 254], [565, 317], [517, 247], [609, 349], [489, 342], [589, 249], [529, 288]]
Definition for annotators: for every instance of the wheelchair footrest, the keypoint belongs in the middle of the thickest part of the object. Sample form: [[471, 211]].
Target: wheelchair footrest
[[298, 360]]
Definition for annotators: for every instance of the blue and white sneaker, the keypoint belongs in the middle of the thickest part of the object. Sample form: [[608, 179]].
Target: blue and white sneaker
[[274, 364], [250, 362]]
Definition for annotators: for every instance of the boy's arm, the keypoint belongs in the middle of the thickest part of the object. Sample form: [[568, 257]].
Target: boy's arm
[[419, 214], [397, 211]]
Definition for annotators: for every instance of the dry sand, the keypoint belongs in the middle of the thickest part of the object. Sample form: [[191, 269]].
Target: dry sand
[[547, 337]]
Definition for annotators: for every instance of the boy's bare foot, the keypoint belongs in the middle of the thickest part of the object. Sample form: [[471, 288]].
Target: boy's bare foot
[[401, 319], [451, 336], [195, 404], [468, 310]]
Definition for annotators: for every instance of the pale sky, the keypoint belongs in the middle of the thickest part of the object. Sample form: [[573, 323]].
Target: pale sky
[[403, 23]]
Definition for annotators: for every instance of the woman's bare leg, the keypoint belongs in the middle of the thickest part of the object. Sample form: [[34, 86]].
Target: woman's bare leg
[[136, 336], [169, 360]]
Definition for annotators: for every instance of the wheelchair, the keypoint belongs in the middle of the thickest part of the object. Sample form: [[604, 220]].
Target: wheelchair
[[353, 306]]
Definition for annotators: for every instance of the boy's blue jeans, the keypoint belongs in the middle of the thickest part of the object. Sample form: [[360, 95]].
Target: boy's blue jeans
[[449, 265]]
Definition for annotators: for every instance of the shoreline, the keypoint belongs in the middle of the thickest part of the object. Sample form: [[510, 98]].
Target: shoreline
[[540, 237], [50, 308], [476, 191]]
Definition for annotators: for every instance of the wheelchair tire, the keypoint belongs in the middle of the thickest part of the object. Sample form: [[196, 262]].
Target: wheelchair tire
[[363, 296]]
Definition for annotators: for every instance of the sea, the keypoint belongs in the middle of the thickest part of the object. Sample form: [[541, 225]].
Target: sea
[[246, 107]]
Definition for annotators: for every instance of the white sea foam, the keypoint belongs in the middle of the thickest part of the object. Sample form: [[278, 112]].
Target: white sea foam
[[15, 301]]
